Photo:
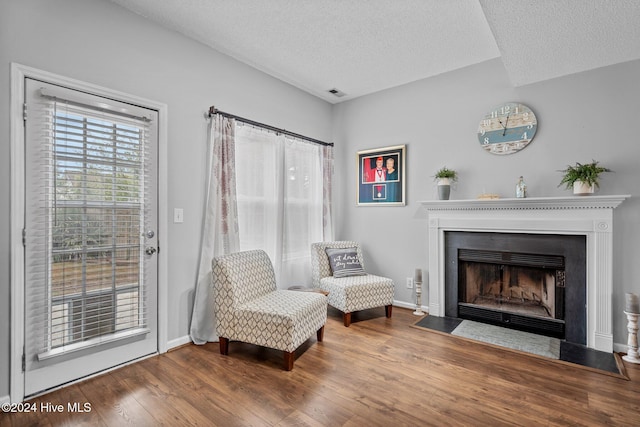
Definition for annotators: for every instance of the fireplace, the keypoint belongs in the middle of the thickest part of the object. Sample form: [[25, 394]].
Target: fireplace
[[590, 218], [534, 283]]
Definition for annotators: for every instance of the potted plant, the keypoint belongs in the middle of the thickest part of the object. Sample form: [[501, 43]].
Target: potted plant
[[583, 178], [444, 177]]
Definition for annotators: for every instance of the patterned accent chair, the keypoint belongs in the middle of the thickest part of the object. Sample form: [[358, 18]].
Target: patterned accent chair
[[353, 293], [250, 308]]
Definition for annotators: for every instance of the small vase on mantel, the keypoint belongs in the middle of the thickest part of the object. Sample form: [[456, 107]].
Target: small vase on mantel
[[444, 188], [582, 188], [444, 177], [583, 178], [521, 188]]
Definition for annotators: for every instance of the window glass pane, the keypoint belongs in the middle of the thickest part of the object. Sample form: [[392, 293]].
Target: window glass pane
[[95, 226], [279, 191]]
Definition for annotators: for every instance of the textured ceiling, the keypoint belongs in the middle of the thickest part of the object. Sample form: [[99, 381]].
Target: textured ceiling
[[543, 39], [364, 46]]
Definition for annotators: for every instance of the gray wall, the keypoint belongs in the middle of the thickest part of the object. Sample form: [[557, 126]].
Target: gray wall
[[591, 115], [99, 42]]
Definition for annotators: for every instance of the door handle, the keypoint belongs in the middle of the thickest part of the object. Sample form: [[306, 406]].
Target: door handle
[[150, 250]]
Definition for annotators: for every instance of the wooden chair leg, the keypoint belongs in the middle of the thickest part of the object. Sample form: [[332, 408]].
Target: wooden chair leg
[[387, 310], [320, 334], [224, 346], [346, 318], [288, 360]]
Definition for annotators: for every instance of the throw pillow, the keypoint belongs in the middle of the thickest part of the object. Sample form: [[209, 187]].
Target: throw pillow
[[344, 262]]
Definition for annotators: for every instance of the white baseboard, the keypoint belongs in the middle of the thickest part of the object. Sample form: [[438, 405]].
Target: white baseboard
[[178, 342], [619, 348], [187, 339], [409, 305]]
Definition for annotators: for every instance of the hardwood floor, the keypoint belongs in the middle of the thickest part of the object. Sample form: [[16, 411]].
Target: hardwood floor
[[378, 371]]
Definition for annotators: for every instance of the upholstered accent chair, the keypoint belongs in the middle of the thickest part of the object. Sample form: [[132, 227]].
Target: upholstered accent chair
[[355, 292], [250, 308]]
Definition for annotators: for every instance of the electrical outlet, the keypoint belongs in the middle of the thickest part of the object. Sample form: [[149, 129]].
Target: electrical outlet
[[409, 283]]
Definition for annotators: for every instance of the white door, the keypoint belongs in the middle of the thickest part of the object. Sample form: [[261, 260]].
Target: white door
[[90, 234]]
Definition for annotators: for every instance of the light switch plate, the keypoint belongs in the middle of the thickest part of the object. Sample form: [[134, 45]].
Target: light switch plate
[[178, 215]]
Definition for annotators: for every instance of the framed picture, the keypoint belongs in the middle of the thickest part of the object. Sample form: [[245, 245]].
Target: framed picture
[[381, 176]]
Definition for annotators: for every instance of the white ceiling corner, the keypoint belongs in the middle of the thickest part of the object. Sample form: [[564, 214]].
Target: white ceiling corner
[[364, 46]]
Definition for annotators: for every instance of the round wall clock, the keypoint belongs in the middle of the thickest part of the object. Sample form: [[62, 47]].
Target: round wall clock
[[507, 129]]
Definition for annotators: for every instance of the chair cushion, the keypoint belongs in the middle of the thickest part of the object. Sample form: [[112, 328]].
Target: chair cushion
[[344, 262], [356, 293], [282, 319]]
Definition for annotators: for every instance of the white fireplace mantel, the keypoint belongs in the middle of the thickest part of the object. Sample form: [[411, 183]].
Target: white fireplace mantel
[[590, 216]]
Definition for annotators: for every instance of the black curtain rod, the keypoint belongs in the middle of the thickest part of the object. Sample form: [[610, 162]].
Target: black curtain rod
[[213, 110]]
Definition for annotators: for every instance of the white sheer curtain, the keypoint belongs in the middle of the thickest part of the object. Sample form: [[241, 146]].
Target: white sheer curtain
[[220, 228], [281, 199], [327, 193]]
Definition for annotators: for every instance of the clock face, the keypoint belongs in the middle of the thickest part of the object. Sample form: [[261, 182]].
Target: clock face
[[507, 128]]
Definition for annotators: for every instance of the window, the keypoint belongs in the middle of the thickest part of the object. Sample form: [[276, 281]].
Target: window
[[84, 236], [95, 211], [280, 199]]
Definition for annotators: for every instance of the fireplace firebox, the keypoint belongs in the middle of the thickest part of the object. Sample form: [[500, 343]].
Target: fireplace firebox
[[525, 290], [535, 283]]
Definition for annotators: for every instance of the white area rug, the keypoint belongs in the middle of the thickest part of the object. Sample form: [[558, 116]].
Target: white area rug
[[510, 338]]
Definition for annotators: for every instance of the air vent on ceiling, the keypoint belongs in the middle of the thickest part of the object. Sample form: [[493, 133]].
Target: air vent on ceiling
[[336, 92]]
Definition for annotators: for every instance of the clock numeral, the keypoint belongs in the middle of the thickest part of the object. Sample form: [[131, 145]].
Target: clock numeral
[[486, 141], [525, 116], [494, 114], [482, 131], [486, 122], [524, 135], [505, 109], [530, 126], [518, 110]]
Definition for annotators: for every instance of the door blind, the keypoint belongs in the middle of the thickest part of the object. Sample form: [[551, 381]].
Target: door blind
[[84, 243]]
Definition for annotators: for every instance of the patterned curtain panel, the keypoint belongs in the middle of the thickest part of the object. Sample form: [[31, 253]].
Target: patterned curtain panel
[[220, 235], [327, 193]]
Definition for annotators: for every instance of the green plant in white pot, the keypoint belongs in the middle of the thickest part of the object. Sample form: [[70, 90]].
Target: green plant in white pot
[[444, 178], [583, 178]]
